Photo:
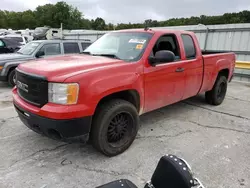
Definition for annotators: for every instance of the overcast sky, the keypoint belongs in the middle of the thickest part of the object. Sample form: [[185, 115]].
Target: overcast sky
[[116, 11]]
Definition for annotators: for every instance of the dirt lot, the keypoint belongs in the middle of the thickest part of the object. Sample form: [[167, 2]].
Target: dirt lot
[[214, 140]]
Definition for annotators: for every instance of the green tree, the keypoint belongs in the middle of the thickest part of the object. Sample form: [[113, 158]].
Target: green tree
[[54, 14], [98, 24], [28, 19], [3, 19], [45, 15]]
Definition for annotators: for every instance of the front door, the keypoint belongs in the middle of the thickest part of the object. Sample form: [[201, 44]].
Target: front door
[[164, 83]]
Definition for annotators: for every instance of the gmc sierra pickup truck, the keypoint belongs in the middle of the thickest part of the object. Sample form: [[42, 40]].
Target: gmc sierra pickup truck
[[100, 94]]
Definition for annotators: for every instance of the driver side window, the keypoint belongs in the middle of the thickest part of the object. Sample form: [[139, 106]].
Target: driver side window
[[51, 49], [167, 42]]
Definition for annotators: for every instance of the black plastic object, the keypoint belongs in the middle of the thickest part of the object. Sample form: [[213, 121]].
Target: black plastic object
[[172, 172], [123, 183], [161, 57]]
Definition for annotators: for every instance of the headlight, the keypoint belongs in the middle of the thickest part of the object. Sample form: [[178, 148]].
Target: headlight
[[66, 93]]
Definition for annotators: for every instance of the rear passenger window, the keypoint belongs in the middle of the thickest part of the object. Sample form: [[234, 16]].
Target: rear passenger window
[[189, 46], [84, 45], [71, 47]]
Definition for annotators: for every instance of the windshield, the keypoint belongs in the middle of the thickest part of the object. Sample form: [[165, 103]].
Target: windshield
[[128, 46], [29, 48]]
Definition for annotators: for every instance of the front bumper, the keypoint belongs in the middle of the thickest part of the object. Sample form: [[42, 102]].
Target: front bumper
[[3, 78], [69, 130]]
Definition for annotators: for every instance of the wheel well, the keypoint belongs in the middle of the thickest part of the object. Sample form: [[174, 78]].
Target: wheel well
[[12, 68], [131, 96], [224, 72]]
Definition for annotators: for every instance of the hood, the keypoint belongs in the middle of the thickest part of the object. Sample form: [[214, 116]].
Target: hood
[[62, 67], [5, 58]]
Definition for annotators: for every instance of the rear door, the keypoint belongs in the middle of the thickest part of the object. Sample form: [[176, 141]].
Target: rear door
[[193, 66], [164, 83]]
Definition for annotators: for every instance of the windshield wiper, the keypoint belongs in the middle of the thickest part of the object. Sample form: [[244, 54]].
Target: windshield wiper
[[107, 55], [19, 52]]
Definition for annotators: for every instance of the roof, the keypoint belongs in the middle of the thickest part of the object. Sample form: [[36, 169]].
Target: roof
[[153, 30], [57, 40], [12, 35]]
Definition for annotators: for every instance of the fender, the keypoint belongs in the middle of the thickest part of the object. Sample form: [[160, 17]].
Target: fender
[[118, 83], [102, 83], [220, 65], [8, 66]]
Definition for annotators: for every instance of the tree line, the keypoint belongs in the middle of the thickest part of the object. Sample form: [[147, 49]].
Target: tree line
[[61, 12]]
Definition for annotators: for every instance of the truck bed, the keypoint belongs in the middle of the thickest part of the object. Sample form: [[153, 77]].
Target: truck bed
[[209, 52], [214, 61]]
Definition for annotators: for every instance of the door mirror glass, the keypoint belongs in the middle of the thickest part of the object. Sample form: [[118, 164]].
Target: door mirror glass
[[40, 54], [162, 56]]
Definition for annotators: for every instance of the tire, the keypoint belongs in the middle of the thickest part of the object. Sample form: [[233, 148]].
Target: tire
[[12, 78], [217, 95], [114, 128]]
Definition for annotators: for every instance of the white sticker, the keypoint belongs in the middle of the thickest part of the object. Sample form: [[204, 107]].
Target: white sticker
[[138, 41]]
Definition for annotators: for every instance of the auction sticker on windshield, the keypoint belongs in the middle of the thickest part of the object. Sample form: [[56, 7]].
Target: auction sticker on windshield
[[139, 46], [139, 41]]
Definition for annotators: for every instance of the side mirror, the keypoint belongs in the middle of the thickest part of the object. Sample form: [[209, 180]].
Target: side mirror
[[39, 54], [162, 56]]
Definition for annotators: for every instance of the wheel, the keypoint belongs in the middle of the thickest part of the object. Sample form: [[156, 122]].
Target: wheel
[[217, 95], [12, 78], [114, 127]]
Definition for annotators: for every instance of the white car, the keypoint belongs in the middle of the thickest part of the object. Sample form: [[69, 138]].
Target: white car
[[19, 38]]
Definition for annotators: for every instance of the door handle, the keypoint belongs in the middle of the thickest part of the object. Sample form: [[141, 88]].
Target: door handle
[[179, 69]]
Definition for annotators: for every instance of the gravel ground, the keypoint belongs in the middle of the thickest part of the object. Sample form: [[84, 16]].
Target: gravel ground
[[214, 140]]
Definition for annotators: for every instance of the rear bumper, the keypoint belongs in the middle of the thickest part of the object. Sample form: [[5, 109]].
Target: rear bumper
[[66, 130]]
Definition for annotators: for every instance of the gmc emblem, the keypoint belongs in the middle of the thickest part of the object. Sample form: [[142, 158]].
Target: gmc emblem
[[22, 86]]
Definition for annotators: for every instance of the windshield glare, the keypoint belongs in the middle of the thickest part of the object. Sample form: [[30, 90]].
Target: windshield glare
[[128, 46], [29, 48]]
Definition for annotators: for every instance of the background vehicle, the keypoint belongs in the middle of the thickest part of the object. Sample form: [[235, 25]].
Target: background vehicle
[[8, 45], [36, 49], [18, 38], [124, 74], [40, 33], [171, 172]]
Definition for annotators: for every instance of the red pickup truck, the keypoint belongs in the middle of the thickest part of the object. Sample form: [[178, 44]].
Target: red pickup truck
[[99, 95]]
